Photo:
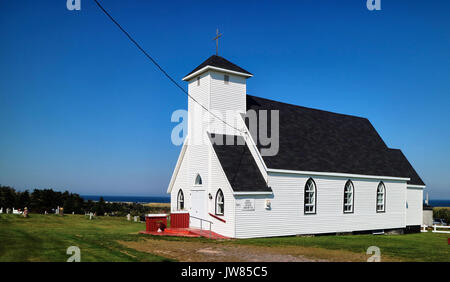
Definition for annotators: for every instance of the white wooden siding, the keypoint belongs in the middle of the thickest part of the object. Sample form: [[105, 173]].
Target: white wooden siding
[[220, 181], [228, 100], [414, 211], [181, 182], [231, 96], [286, 216]]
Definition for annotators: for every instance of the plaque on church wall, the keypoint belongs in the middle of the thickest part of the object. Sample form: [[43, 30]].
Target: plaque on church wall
[[245, 204]]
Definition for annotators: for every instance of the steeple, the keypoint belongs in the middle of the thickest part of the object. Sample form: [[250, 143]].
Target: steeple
[[217, 85]]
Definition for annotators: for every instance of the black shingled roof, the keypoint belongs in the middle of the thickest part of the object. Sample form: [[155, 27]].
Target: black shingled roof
[[315, 140], [219, 62], [239, 166]]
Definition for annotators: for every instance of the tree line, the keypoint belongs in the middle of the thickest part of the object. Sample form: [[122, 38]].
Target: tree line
[[47, 200]]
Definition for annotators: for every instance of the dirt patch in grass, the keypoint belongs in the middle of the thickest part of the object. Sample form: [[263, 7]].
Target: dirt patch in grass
[[192, 251]]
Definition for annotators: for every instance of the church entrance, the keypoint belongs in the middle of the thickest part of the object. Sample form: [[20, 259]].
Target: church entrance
[[198, 208]]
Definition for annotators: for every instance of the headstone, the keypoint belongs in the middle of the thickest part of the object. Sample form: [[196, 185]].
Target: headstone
[[91, 215], [25, 212], [8, 210], [73, 212], [45, 212], [1, 210], [128, 217], [57, 210], [135, 219]]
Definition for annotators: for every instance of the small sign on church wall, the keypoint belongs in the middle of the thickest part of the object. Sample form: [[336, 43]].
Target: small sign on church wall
[[245, 204]]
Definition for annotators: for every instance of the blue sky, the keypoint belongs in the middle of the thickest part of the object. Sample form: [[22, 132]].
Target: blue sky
[[82, 109]]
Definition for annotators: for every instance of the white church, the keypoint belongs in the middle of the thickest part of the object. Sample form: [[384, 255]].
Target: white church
[[330, 172]]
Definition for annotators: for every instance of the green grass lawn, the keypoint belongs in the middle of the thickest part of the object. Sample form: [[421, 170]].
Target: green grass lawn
[[47, 237]]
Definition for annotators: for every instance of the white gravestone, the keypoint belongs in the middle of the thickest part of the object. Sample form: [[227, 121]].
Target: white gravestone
[[128, 217]]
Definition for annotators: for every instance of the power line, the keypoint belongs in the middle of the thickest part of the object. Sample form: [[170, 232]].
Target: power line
[[159, 66]]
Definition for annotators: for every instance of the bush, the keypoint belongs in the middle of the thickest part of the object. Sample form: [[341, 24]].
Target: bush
[[443, 213]]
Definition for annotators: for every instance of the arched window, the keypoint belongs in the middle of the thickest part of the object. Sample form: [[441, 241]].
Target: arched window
[[180, 200], [310, 197], [348, 197], [220, 203], [381, 198], [198, 180]]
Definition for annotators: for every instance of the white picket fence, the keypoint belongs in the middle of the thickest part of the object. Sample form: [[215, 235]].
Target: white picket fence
[[435, 227], [424, 228]]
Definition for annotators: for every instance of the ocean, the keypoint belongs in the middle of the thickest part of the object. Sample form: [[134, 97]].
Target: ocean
[[128, 199], [439, 203]]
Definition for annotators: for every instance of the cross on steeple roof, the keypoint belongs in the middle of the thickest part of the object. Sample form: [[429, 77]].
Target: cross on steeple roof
[[218, 35]]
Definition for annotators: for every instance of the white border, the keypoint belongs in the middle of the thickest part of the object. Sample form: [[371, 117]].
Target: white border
[[415, 186], [188, 77], [336, 174]]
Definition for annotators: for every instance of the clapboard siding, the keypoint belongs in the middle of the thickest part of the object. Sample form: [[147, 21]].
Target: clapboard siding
[[198, 119], [181, 182], [227, 101], [286, 216], [221, 182], [228, 97], [414, 211]]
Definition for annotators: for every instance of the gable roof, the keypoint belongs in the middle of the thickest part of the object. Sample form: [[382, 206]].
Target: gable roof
[[316, 140], [239, 165], [219, 62]]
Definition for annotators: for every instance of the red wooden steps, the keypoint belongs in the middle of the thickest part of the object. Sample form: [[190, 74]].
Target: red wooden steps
[[186, 232]]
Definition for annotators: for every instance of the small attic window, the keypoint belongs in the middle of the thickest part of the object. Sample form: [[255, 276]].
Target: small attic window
[[198, 80], [226, 79], [198, 180]]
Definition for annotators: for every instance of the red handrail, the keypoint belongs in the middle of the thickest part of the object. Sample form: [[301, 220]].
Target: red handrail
[[218, 218]]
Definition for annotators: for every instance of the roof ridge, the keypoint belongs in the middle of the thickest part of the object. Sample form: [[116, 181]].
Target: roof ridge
[[309, 108]]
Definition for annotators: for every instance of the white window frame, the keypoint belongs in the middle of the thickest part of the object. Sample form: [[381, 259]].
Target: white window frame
[[310, 197], [381, 198], [349, 196], [220, 201], [180, 200], [198, 180]]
